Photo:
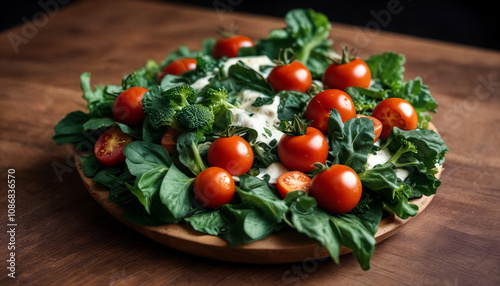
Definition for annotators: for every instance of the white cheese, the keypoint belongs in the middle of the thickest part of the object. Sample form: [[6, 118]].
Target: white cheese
[[201, 83], [274, 170]]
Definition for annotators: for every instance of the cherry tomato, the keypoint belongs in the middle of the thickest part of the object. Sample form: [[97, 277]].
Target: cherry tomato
[[395, 112], [177, 67], [169, 140], [353, 73], [232, 154], [319, 108], [127, 107], [336, 190], [293, 181], [377, 125], [109, 147], [301, 152], [229, 46], [293, 76], [213, 187]]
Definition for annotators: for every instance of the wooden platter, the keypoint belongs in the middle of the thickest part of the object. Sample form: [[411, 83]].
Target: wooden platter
[[281, 247]]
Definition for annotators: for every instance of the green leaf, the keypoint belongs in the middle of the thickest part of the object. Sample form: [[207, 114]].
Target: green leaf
[[292, 102], [175, 193], [364, 99], [146, 188], [356, 143], [119, 193], [189, 153], [142, 157], [249, 78], [99, 102], [107, 177], [143, 77], [70, 129], [97, 123], [387, 68], [209, 222], [90, 165]]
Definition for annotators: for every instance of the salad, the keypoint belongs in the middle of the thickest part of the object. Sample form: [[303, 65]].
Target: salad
[[242, 139]]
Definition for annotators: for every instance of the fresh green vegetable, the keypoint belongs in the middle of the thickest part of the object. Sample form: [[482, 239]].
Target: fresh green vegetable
[[155, 187]]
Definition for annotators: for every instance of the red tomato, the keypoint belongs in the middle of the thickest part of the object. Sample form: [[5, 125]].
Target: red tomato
[[293, 76], [377, 125], [232, 154], [336, 190], [213, 187], [169, 140], [353, 73], [109, 147], [177, 67], [395, 112], [127, 107], [301, 152], [293, 181], [319, 108], [229, 46]]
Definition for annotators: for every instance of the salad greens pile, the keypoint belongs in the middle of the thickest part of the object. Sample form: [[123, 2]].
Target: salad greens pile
[[156, 188]]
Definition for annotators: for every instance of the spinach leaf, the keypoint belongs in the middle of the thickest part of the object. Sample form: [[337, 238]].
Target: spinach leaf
[[70, 129], [352, 147], [146, 188], [151, 134], [265, 154], [107, 177], [292, 102], [142, 157], [209, 222], [175, 193], [422, 184], [259, 194], [248, 78], [388, 68], [119, 193], [97, 123], [90, 165], [136, 214]]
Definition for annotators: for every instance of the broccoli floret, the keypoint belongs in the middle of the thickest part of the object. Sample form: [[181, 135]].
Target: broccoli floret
[[216, 99], [180, 96], [406, 146], [195, 116]]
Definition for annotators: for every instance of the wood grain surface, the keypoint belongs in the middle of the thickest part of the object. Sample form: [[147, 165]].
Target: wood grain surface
[[63, 237]]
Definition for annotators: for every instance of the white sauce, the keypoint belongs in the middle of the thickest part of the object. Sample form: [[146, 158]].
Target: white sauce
[[252, 62], [201, 83], [381, 157], [274, 170], [259, 118]]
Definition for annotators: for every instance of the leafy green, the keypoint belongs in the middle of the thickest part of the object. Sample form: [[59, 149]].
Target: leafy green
[[350, 143], [364, 99], [292, 102], [189, 152], [388, 68], [98, 123], [99, 101], [70, 129], [143, 77], [142, 157], [306, 34], [90, 165], [175, 193], [248, 78]]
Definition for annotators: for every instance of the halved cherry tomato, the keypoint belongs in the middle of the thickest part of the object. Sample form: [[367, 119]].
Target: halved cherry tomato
[[301, 152], [213, 187], [395, 112], [319, 108], [292, 76], [169, 140], [127, 107], [377, 125], [293, 181], [232, 154], [177, 67], [337, 189], [353, 73], [230, 46], [109, 147]]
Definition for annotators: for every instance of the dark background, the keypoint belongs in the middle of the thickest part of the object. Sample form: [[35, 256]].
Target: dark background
[[474, 23]]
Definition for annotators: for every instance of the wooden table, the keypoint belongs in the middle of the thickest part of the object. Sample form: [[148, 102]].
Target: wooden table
[[64, 237]]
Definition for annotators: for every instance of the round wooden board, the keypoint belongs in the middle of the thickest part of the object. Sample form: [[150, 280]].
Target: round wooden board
[[281, 247]]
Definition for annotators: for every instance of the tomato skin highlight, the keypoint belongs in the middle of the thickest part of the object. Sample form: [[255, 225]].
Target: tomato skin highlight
[[169, 140], [395, 112], [232, 154], [109, 147], [294, 76], [127, 107], [230, 46], [299, 153], [353, 73], [177, 67], [337, 189], [377, 125], [319, 107], [213, 187], [293, 181]]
